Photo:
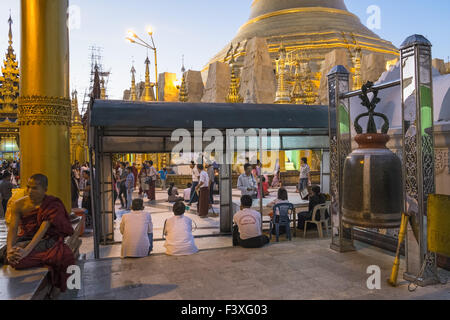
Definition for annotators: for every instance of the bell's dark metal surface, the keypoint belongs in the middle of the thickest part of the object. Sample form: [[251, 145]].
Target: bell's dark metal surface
[[372, 185]]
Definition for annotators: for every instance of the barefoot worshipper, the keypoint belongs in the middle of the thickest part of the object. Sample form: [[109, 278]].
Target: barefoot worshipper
[[44, 223]]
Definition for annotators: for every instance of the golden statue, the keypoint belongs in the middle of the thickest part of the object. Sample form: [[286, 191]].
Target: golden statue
[[233, 93]]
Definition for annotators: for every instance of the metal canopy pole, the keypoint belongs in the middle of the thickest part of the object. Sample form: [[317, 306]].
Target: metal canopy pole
[[418, 155], [261, 194], [340, 148], [225, 188]]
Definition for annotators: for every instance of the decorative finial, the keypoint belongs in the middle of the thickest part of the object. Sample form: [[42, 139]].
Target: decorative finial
[[10, 21], [183, 69], [371, 105]]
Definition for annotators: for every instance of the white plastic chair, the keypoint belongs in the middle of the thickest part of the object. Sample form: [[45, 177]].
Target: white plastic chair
[[322, 208]]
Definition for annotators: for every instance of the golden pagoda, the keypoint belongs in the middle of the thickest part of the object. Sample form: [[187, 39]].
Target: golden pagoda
[[314, 27], [78, 136], [9, 93], [148, 94]]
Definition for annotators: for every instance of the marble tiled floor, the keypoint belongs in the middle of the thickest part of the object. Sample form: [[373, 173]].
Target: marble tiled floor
[[161, 211], [301, 269]]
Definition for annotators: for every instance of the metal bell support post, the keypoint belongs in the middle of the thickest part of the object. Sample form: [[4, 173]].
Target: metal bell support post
[[418, 155], [340, 148]]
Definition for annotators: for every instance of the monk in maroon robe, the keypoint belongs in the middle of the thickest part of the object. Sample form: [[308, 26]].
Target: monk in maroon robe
[[36, 234]]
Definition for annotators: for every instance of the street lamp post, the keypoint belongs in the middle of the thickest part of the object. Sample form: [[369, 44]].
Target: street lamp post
[[134, 38]]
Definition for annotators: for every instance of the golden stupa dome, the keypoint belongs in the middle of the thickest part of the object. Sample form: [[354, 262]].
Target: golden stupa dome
[[315, 27]]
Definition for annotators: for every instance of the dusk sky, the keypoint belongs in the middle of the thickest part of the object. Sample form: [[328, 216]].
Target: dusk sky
[[199, 29]]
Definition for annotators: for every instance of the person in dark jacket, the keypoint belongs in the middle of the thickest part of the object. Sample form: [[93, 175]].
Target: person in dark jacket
[[315, 199]]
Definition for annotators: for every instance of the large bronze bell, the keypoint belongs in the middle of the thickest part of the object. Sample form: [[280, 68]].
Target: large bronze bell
[[372, 185]]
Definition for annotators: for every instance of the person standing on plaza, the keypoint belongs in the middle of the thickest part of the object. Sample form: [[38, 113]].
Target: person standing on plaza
[[163, 176], [82, 183], [122, 187], [305, 175], [129, 184], [276, 182], [203, 191], [151, 180], [75, 190], [195, 178], [143, 174], [246, 182], [6, 189], [134, 170], [211, 176], [86, 202]]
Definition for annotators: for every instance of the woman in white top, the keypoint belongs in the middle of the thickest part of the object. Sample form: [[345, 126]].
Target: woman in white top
[[178, 233], [137, 230]]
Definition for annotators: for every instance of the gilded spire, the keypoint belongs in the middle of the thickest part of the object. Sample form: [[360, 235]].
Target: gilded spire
[[9, 81], [76, 118], [310, 92], [133, 96], [10, 21], [233, 92], [183, 90], [102, 89], [148, 93], [297, 91]]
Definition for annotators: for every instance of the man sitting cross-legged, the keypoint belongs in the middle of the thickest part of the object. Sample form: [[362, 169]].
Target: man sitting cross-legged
[[44, 223], [247, 231]]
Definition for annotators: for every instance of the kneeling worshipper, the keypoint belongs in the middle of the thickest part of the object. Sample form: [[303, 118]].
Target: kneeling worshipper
[[44, 223], [137, 230], [178, 233], [247, 231]]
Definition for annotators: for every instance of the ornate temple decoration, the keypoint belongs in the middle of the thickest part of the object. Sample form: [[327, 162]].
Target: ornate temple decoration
[[78, 135], [442, 160], [37, 110], [233, 93], [283, 95], [102, 89], [9, 93], [355, 52], [148, 94], [297, 95], [183, 97], [183, 90], [314, 28], [309, 87]]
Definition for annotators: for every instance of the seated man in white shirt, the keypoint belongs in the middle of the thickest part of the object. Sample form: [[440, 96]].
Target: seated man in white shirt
[[178, 233], [247, 231], [247, 183]]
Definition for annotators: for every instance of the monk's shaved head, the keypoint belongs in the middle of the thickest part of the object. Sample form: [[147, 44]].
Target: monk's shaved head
[[40, 179]]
